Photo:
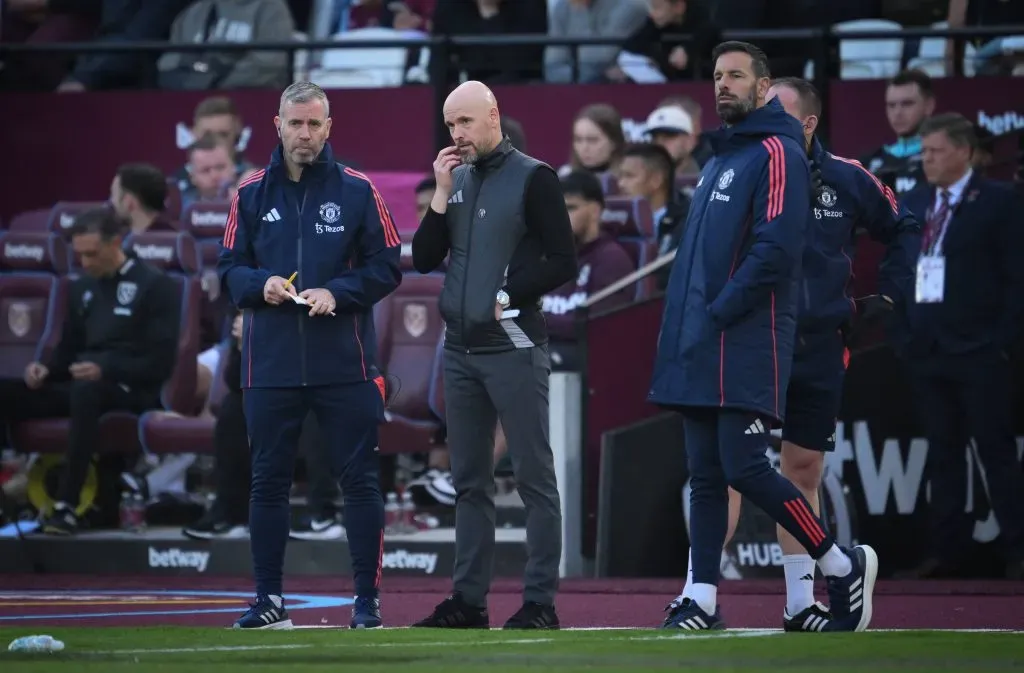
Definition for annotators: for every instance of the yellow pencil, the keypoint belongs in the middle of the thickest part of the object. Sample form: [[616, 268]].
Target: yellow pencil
[[290, 279]]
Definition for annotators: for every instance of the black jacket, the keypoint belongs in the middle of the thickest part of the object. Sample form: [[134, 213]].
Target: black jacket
[[506, 227], [128, 324]]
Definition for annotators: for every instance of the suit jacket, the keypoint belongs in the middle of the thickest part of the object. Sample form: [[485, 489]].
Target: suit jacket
[[983, 300]]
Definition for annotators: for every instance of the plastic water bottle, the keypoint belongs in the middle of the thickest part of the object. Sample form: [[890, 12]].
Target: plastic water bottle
[[139, 512], [124, 512], [35, 644], [408, 513], [132, 512], [391, 513]]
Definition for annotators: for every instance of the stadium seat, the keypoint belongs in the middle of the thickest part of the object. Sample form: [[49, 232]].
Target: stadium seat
[[63, 214], [165, 432], [866, 59], [366, 67], [206, 219], [30, 220], [409, 326], [119, 431], [643, 251], [174, 252], [625, 216], [172, 204], [609, 183], [33, 298]]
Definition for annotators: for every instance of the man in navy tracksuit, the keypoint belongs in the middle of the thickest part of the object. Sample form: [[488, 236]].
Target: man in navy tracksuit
[[728, 335], [314, 349]]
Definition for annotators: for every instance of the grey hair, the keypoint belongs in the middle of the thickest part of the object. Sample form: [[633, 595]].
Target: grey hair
[[304, 92]]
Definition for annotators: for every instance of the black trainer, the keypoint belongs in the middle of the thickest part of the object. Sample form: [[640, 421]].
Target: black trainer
[[455, 613], [215, 525], [62, 521], [814, 618], [533, 616]]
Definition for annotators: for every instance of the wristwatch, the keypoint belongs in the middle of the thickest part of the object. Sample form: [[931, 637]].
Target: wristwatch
[[503, 300]]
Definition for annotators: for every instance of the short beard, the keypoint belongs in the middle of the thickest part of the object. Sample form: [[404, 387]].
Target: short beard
[[735, 112]]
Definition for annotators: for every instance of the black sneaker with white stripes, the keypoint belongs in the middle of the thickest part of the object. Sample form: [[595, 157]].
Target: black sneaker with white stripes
[[533, 616], [267, 612], [850, 597], [814, 618], [685, 614]]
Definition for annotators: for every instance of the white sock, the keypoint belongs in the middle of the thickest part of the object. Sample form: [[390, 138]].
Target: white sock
[[706, 596], [276, 600], [799, 569], [835, 563], [688, 587]]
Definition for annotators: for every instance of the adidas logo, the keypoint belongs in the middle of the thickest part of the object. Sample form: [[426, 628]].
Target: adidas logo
[[809, 577], [272, 216], [456, 197], [756, 428]]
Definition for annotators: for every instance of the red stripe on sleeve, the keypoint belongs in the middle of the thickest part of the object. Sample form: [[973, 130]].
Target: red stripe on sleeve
[[883, 188], [776, 177], [391, 237], [232, 224]]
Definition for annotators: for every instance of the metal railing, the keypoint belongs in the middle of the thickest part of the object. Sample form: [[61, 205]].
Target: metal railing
[[824, 52]]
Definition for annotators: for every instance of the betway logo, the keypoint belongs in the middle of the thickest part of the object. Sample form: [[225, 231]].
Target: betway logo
[[400, 559], [891, 479], [161, 252], [177, 558], [209, 218], [23, 251], [1004, 122]]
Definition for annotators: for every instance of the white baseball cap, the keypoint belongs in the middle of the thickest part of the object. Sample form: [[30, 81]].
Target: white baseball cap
[[670, 118]]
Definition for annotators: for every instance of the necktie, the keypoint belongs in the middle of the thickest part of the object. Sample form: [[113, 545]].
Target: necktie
[[936, 221]]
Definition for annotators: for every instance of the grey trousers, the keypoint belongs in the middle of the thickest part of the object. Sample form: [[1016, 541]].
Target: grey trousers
[[479, 390]]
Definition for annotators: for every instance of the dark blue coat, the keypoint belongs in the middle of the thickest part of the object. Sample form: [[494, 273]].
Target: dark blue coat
[[729, 325], [852, 199], [335, 230], [983, 299]]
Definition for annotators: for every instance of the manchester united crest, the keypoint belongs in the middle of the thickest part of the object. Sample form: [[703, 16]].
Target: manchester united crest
[[828, 197], [19, 319], [414, 319]]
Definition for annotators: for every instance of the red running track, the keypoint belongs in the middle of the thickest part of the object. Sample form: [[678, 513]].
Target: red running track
[[581, 603]]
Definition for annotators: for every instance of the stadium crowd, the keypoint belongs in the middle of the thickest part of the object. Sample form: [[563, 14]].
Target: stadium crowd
[[627, 197]]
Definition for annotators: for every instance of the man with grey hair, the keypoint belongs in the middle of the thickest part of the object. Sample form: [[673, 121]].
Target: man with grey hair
[[501, 216], [309, 249]]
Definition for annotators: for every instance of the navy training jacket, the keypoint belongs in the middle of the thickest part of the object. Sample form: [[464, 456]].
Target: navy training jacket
[[729, 323], [335, 230], [852, 199]]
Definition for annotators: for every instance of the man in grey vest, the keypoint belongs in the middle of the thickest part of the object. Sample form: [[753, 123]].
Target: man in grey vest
[[501, 217]]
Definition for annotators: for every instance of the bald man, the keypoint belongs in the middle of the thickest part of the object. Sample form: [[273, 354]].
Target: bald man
[[501, 217]]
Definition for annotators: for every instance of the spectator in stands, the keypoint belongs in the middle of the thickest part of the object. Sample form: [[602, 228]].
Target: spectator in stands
[[405, 15], [137, 194], [211, 171], [647, 173], [496, 64], [118, 347], [124, 21], [669, 19], [42, 22], [217, 116], [597, 140], [909, 100], [424, 192], [990, 56], [671, 127], [701, 152], [589, 18], [602, 261], [220, 21]]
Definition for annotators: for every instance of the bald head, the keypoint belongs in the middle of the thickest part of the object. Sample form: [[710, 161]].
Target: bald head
[[471, 115]]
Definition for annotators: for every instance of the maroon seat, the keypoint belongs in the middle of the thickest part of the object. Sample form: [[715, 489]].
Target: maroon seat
[[167, 432], [172, 204], [119, 431], [63, 214], [206, 219], [643, 251], [609, 183], [33, 298], [172, 251], [410, 326], [625, 216], [30, 220]]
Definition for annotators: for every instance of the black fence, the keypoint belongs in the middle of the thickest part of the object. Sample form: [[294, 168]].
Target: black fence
[[822, 45]]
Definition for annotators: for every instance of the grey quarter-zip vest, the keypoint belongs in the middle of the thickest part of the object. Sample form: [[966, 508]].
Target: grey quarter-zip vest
[[487, 228]]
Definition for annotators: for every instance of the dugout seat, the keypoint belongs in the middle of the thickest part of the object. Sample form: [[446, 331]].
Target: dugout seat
[[410, 326], [30, 220], [643, 251], [119, 431], [33, 298], [172, 204], [63, 214], [166, 432], [206, 219], [626, 216]]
